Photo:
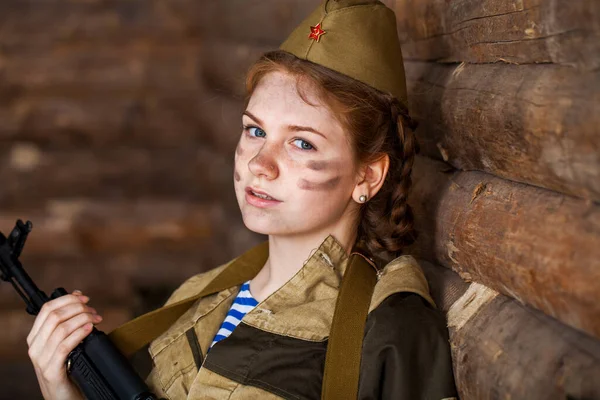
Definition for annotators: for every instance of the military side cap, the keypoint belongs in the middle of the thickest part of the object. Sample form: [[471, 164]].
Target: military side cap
[[357, 38]]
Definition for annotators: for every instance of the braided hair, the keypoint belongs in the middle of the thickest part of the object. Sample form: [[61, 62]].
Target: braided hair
[[386, 224]]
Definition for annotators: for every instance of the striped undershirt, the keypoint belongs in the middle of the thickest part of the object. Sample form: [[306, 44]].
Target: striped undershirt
[[243, 303]]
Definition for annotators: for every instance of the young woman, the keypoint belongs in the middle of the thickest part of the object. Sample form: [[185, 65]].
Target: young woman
[[322, 166]]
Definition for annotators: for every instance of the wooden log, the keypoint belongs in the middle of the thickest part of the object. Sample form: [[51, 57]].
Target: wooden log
[[193, 174], [504, 350], [514, 31], [52, 21], [68, 121], [255, 21], [137, 120], [191, 119], [75, 227], [533, 124], [537, 246], [86, 71], [30, 22]]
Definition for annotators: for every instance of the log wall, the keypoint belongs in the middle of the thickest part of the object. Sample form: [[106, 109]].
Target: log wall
[[536, 124], [506, 188], [513, 31], [535, 245], [503, 349]]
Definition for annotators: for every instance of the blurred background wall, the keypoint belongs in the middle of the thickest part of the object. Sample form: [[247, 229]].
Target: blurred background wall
[[117, 142], [119, 118]]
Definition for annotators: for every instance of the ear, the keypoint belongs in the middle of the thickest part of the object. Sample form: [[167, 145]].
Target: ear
[[370, 179]]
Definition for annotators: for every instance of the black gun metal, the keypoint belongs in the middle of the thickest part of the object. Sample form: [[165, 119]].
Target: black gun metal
[[96, 366]]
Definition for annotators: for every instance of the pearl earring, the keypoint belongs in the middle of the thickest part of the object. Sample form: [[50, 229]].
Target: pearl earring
[[362, 198]]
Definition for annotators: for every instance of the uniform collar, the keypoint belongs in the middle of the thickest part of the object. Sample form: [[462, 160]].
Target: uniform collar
[[329, 251], [332, 252], [302, 307]]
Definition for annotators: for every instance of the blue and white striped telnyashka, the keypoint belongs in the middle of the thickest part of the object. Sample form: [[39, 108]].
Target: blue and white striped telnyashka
[[243, 303]]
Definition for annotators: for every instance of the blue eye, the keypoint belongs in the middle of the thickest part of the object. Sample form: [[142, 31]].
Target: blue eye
[[258, 130], [259, 133], [304, 144]]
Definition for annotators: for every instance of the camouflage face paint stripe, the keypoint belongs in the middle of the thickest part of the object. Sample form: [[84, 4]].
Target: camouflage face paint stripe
[[329, 184], [320, 165], [238, 150]]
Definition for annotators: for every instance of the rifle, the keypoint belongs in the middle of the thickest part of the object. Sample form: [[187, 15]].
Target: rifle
[[96, 366]]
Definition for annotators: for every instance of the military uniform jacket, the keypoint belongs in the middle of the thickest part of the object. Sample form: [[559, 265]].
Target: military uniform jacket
[[278, 350]]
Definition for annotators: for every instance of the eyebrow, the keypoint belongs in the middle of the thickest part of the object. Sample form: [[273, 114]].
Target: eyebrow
[[295, 128]]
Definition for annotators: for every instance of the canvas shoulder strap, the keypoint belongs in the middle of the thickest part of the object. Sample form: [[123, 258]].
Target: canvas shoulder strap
[[342, 360], [135, 334], [344, 348]]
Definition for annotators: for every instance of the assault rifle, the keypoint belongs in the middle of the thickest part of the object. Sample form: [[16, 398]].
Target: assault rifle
[[96, 366]]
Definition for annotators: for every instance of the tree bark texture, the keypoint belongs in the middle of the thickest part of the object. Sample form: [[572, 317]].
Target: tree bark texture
[[537, 246]]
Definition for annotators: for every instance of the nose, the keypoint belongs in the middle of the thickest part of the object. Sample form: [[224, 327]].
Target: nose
[[264, 164]]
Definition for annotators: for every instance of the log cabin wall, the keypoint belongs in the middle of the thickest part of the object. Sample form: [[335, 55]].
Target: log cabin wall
[[506, 190], [119, 121]]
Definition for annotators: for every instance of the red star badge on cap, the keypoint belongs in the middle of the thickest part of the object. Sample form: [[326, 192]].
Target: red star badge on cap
[[316, 32]]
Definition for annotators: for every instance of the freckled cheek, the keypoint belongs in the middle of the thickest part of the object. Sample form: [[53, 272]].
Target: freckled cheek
[[239, 161], [322, 176], [316, 204], [239, 150]]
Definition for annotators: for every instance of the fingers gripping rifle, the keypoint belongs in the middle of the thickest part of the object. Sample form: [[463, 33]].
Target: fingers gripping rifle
[[96, 366]]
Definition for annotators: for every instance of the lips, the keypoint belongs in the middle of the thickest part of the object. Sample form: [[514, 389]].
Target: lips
[[260, 194]]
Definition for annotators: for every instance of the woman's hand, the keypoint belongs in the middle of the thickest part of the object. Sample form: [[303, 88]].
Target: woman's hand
[[59, 327]]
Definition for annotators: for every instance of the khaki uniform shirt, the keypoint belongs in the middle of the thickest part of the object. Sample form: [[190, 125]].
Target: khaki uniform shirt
[[278, 349]]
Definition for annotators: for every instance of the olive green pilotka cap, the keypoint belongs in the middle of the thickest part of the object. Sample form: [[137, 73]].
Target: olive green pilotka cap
[[357, 38]]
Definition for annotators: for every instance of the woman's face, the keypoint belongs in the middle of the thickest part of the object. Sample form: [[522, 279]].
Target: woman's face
[[297, 154]]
